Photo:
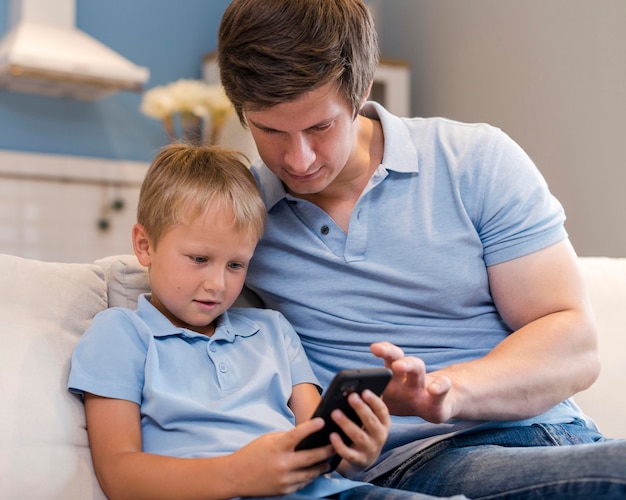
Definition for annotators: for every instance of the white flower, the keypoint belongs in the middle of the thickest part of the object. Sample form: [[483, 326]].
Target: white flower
[[215, 99], [158, 103], [187, 98]]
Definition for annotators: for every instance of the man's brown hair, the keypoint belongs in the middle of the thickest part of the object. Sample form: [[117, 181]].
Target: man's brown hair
[[274, 51]]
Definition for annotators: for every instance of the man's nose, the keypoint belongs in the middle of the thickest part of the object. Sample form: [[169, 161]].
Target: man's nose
[[300, 154]]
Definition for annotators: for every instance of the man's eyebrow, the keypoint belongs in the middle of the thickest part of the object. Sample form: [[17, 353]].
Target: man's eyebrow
[[258, 125], [321, 123]]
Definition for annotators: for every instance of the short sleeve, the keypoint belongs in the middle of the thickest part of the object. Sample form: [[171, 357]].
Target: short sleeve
[[109, 359], [512, 207], [301, 371]]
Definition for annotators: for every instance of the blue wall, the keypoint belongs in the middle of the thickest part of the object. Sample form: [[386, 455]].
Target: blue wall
[[168, 37]]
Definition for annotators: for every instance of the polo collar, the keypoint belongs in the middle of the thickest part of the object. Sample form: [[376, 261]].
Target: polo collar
[[228, 327]]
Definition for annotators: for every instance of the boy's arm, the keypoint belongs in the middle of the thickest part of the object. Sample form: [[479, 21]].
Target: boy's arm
[[266, 466], [303, 401]]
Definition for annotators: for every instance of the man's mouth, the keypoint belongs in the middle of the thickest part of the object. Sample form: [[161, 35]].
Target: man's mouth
[[303, 178]]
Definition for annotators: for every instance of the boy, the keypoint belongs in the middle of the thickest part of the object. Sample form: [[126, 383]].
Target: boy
[[186, 399]]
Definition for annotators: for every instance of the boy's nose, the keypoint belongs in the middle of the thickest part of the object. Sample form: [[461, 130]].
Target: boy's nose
[[214, 280]]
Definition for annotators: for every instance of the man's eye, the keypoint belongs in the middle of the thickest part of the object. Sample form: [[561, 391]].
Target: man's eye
[[269, 131], [323, 127]]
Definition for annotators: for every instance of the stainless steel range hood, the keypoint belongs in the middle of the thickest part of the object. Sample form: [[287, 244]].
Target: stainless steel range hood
[[44, 53]]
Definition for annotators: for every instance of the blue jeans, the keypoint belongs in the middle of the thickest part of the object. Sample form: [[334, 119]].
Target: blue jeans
[[367, 492], [536, 462]]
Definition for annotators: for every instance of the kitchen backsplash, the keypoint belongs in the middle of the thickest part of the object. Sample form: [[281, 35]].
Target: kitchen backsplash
[[66, 208]]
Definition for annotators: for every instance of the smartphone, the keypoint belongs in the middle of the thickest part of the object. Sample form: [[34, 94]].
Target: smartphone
[[343, 384]]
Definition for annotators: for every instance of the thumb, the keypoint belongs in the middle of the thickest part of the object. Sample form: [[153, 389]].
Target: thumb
[[304, 429]]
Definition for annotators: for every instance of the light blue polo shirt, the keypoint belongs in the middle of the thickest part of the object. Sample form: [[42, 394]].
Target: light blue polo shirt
[[183, 379], [199, 396], [448, 200]]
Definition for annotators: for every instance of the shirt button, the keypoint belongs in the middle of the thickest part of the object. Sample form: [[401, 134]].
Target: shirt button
[[212, 348], [325, 230], [223, 368]]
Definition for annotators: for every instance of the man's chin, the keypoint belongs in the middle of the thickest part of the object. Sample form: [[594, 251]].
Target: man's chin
[[303, 188]]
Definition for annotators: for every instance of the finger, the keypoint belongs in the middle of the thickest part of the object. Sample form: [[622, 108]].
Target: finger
[[346, 424], [378, 406], [439, 387], [387, 351], [304, 476], [340, 447], [412, 370], [300, 431], [315, 458], [370, 424]]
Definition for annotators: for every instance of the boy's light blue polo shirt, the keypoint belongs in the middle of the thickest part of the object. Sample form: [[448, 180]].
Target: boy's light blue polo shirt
[[199, 396], [186, 380], [448, 200]]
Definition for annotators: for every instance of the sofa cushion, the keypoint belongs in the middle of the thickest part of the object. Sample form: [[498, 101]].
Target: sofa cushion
[[43, 438], [126, 279]]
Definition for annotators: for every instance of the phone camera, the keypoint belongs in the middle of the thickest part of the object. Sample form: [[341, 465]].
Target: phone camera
[[349, 387]]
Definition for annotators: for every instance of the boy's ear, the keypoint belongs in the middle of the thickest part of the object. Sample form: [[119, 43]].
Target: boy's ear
[[141, 244]]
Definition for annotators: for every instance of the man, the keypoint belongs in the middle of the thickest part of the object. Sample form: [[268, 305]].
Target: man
[[433, 244]]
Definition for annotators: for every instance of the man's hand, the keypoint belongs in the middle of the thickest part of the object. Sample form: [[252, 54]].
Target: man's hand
[[411, 390]]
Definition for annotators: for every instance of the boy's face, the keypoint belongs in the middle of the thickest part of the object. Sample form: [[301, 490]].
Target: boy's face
[[309, 143], [197, 270]]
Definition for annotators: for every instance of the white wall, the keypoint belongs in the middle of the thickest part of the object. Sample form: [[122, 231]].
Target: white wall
[[552, 74], [50, 206]]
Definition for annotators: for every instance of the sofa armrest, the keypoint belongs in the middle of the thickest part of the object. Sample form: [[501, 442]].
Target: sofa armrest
[[604, 401], [45, 307]]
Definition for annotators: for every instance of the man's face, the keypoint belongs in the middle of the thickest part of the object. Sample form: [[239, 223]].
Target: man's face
[[308, 143]]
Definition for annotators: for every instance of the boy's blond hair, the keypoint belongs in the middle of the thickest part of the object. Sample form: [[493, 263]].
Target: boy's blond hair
[[184, 180]]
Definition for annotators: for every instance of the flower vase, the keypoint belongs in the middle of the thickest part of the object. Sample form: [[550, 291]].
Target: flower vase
[[191, 128]]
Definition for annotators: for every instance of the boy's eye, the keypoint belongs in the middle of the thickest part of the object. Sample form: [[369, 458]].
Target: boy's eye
[[198, 260], [236, 265]]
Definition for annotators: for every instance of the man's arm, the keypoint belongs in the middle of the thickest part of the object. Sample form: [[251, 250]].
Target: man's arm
[[550, 355]]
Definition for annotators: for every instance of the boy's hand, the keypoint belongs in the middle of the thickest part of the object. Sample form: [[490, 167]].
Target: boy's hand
[[271, 466], [367, 441]]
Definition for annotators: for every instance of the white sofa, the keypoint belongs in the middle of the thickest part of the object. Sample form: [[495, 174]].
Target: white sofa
[[44, 308]]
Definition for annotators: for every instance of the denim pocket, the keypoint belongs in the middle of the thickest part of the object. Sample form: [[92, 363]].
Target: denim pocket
[[574, 432]]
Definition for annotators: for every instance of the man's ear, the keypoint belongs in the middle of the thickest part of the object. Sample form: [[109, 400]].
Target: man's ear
[[364, 99], [367, 94], [141, 244]]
